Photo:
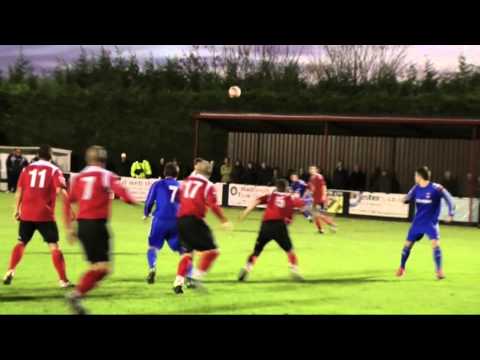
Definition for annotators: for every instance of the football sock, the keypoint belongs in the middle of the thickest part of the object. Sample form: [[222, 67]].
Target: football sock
[[437, 257], [328, 220], [190, 270], [184, 265], [405, 254], [318, 222], [206, 261], [252, 259], [89, 280], [307, 214], [152, 258], [16, 256], [59, 264], [292, 260]]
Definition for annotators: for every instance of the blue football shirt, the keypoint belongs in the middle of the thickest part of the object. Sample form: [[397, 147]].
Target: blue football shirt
[[163, 194]]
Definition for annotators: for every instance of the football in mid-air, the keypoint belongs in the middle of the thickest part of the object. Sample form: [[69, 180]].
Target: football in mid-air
[[234, 92]]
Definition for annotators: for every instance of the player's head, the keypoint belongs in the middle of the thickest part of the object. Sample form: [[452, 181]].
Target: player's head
[[171, 170], [281, 185], [96, 155], [45, 152], [422, 174], [294, 177], [197, 160], [204, 168], [313, 170]]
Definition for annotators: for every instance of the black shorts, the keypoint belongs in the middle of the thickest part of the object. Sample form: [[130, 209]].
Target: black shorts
[[195, 234], [48, 230], [273, 230], [95, 239]]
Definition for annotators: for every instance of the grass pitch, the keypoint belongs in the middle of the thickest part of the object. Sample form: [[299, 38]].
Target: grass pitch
[[351, 272]]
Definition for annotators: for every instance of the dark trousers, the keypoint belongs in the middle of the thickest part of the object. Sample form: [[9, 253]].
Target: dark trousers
[[12, 180]]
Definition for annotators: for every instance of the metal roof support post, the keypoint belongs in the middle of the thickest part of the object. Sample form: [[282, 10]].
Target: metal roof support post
[[196, 128], [472, 170]]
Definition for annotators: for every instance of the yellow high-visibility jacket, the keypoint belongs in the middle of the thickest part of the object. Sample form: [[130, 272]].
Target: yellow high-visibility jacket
[[141, 170]]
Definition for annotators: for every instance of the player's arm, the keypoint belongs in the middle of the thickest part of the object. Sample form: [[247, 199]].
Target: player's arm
[[298, 203], [19, 196], [213, 205], [122, 192], [250, 208], [324, 192], [61, 188], [69, 199], [147, 210], [450, 203], [18, 204], [410, 196]]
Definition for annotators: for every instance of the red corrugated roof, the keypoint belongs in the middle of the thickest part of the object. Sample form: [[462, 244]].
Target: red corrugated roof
[[340, 119]]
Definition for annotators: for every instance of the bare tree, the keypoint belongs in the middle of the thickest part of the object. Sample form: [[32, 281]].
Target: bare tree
[[246, 59], [358, 64]]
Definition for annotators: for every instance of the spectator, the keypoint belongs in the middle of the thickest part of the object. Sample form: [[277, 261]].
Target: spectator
[[326, 177], [161, 167], [124, 166], [467, 187], [373, 186], [289, 173], [395, 183], [340, 177], [141, 169], [275, 176], [450, 183], [478, 187], [264, 176], [216, 177], [358, 179], [226, 170], [237, 172], [15, 164], [305, 176], [250, 175], [384, 182]]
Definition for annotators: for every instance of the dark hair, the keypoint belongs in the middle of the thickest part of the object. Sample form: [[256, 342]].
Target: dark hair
[[424, 172], [170, 170], [45, 152], [281, 185]]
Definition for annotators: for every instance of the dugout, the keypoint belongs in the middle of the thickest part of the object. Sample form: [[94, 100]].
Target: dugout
[[396, 143], [61, 156]]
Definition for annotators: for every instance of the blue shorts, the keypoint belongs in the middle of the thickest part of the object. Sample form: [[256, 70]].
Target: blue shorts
[[416, 233], [164, 230]]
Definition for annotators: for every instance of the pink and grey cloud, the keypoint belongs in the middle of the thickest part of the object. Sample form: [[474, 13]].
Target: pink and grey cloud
[[46, 56]]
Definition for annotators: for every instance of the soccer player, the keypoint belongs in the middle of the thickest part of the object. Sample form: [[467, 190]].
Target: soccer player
[[300, 188], [162, 194], [91, 189], [197, 194], [427, 197], [279, 213], [38, 186], [318, 187]]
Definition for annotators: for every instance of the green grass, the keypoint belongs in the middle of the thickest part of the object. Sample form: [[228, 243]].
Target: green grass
[[351, 272]]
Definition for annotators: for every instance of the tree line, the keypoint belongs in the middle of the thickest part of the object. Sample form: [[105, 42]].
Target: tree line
[[144, 107]]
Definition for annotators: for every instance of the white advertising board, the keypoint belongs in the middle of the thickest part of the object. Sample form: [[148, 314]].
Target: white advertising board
[[462, 210], [243, 195], [378, 204]]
